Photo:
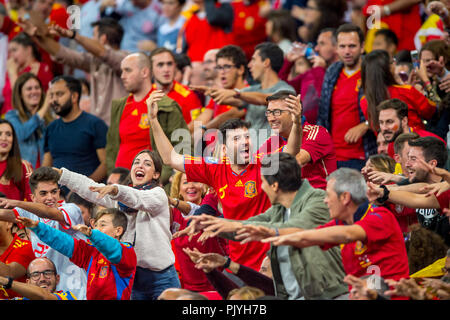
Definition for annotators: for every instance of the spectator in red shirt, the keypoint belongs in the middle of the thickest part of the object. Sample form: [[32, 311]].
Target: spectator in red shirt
[[370, 235], [316, 156], [379, 84], [163, 69], [24, 57], [15, 256]]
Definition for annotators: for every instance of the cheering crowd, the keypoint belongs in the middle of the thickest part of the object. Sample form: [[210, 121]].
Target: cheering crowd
[[224, 150]]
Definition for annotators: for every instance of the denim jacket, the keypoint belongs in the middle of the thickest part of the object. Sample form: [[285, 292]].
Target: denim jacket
[[31, 142]]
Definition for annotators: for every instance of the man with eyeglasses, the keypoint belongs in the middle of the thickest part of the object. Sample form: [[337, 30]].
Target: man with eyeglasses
[[41, 282], [316, 157], [230, 67], [15, 256]]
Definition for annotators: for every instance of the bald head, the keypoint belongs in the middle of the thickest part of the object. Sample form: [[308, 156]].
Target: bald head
[[42, 273]]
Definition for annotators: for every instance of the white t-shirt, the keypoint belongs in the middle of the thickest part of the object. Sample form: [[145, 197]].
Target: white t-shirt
[[72, 277]]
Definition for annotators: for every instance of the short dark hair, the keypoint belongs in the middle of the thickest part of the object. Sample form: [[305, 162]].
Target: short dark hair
[[433, 149], [112, 29], [280, 95], [232, 124], [332, 30], [402, 138], [119, 218], [26, 41], [389, 36], [43, 174], [156, 158], [159, 51], [182, 60], [234, 53], [271, 51], [400, 107], [439, 48], [289, 173], [347, 28], [72, 83]]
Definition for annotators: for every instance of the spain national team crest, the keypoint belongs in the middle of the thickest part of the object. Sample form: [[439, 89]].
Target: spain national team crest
[[103, 272], [360, 248], [250, 189], [144, 123]]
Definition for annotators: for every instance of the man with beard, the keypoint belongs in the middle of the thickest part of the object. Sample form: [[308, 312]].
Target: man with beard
[[77, 139], [339, 109], [393, 120], [42, 279]]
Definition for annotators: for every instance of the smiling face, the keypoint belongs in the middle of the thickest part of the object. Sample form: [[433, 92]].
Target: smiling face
[[46, 192], [416, 171], [6, 138], [281, 123], [31, 94], [105, 224], [143, 170], [19, 53], [37, 277], [191, 191]]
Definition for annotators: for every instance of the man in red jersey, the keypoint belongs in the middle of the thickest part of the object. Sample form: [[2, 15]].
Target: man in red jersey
[[163, 69], [370, 236], [15, 256], [236, 178], [339, 110], [316, 156], [129, 130]]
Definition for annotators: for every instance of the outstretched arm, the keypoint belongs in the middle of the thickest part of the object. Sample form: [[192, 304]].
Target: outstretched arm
[[39, 209], [30, 291]]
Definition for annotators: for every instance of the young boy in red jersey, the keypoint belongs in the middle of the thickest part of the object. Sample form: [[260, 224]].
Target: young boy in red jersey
[[109, 263]]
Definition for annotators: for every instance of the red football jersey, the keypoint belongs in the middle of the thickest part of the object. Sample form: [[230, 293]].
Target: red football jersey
[[21, 252], [345, 115], [383, 253], [134, 131], [241, 197], [317, 142]]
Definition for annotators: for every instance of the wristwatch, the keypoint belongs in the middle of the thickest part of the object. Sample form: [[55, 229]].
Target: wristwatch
[[385, 195], [9, 284], [238, 93]]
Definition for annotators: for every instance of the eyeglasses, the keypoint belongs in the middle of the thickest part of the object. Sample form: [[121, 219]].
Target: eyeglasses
[[37, 274], [274, 113], [225, 67]]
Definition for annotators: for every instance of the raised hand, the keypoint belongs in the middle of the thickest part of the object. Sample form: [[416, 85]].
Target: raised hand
[[56, 30], [359, 288], [374, 192], [435, 188], [295, 107], [152, 103], [221, 95]]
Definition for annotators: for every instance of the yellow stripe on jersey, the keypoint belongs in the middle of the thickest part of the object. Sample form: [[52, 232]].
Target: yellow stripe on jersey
[[178, 88]]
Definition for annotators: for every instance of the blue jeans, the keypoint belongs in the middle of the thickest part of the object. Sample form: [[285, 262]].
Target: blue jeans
[[148, 284], [352, 163]]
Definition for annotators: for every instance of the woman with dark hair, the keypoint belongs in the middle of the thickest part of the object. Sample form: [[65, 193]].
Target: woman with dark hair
[[24, 57], [378, 83], [280, 28], [29, 117], [13, 171], [147, 208]]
